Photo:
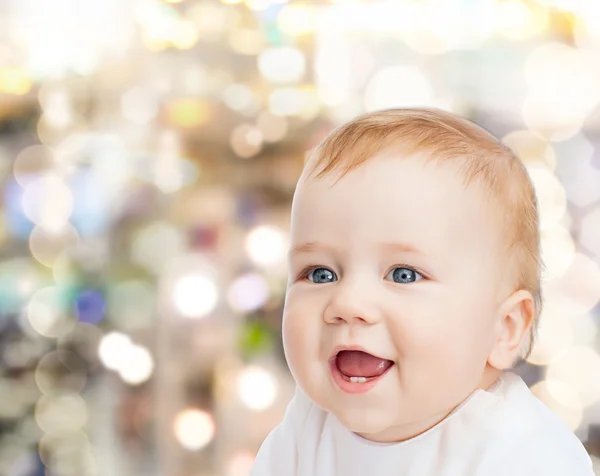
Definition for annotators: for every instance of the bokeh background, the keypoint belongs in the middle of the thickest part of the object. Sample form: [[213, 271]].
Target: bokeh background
[[149, 151]]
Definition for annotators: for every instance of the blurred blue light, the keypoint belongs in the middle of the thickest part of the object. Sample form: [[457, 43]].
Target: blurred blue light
[[90, 306], [17, 223], [90, 215]]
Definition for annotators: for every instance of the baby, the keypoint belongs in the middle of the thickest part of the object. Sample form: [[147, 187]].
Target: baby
[[414, 284]]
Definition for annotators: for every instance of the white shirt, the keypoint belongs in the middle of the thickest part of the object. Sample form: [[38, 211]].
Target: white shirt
[[503, 431]]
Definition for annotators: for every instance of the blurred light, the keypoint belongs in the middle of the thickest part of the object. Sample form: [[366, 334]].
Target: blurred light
[[585, 329], [297, 18], [333, 70], [18, 355], [240, 464], [519, 21], [257, 388], [286, 101], [46, 34], [188, 112], [567, 406], [51, 134], [157, 244], [13, 405], [88, 257], [186, 36], [139, 105], [572, 6], [212, 20], [552, 200], [48, 202], [57, 105], [577, 291], [246, 41], [531, 148], [168, 173], [48, 314], [589, 235], [226, 371], [563, 89], [32, 163], [14, 81], [163, 27], [231, 2], [543, 117], [246, 140], [90, 306], [19, 279], [65, 412], [266, 245], [248, 292], [579, 368], [438, 26], [425, 41], [586, 30], [311, 106], [113, 349], [262, 4], [53, 444], [195, 295], [131, 304], [576, 170], [111, 167], [273, 128], [14, 219], [84, 341], [194, 429], [46, 246], [60, 371], [284, 64], [25, 463], [138, 366], [195, 80], [29, 430], [557, 250], [398, 86], [555, 336], [357, 17], [240, 98]]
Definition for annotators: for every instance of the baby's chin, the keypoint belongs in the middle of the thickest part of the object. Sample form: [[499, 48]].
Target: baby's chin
[[366, 422]]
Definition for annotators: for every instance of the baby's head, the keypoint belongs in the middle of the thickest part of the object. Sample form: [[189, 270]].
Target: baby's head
[[414, 238]]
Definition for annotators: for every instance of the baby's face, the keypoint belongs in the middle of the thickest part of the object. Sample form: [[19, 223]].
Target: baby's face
[[400, 260]]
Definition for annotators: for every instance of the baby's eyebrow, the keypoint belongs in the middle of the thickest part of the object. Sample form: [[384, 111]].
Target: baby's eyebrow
[[316, 245], [308, 247], [402, 247]]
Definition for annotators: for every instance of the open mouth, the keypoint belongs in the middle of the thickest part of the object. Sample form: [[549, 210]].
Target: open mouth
[[356, 371]]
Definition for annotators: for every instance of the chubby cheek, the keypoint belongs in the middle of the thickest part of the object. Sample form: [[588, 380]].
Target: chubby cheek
[[446, 344], [301, 334]]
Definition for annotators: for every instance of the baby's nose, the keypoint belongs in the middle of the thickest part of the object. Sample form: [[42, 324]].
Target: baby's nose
[[350, 304]]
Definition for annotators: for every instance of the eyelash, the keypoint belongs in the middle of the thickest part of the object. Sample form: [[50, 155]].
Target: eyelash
[[304, 274]]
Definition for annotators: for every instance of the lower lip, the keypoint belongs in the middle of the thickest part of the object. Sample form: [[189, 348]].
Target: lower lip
[[353, 387]]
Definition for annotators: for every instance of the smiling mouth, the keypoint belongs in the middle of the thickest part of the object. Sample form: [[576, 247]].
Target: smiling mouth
[[356, 371]]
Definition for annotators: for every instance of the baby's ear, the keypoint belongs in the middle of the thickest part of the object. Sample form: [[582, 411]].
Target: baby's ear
[[514, 320]]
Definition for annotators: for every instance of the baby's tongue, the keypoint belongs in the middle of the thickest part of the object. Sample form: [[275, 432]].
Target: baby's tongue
[[355, 363]]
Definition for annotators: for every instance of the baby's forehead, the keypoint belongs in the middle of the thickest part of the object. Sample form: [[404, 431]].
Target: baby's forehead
[[395, 200], [391, 172]]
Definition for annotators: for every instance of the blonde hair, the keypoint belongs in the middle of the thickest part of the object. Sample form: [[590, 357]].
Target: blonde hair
[[445, 137]]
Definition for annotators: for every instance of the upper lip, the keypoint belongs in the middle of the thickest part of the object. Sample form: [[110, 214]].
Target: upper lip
[[337, 349]]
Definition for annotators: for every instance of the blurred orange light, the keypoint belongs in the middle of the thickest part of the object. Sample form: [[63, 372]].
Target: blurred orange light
[[14, 81], [188, 112]]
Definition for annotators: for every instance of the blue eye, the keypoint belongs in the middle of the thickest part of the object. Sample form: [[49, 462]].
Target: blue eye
[[321, 275], [404, 275]]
